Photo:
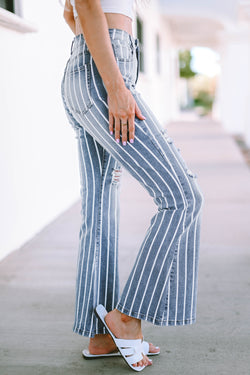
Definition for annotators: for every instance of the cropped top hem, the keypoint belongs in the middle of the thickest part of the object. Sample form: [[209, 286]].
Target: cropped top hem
[[117, 12], [124, 7]]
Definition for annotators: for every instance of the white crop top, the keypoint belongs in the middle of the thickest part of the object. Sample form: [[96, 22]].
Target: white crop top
[[113, 6]]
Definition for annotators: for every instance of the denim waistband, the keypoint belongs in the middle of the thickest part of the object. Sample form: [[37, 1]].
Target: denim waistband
[[79, 44]]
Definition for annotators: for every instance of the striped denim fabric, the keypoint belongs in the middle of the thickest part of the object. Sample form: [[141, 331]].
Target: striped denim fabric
[[162, 285]]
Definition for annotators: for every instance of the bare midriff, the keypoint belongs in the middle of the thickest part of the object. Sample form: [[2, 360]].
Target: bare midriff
[[114, 20]]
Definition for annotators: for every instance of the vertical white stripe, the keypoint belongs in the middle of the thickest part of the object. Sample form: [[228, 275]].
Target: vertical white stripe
[[94, 82], [194, 260], [116, 241], [80, 269], [98, 155], [163, 263], [90, 240], [177, 281], [149, 254], [108, 238], [168, 302], [140, 255], [99, 214], [167, 281], [185, 278]]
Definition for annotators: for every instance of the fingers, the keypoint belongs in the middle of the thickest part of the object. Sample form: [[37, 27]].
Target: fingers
[[138, 113], [128, 128], [123, 128], [124, 131], [117, 129], [122, 122], [131, 128], [111, 123]]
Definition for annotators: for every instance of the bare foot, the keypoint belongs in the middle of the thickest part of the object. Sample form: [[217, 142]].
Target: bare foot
[[126, 327]]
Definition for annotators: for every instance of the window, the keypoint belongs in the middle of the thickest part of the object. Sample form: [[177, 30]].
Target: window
[[140, 36], [13, 6], [8, 5], [158, 54], [11, 17]]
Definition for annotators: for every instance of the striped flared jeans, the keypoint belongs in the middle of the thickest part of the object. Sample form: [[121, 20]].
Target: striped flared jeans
[[162, 285]]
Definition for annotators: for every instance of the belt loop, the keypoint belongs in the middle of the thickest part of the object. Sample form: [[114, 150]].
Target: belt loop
[[137, 50], [72, 44]]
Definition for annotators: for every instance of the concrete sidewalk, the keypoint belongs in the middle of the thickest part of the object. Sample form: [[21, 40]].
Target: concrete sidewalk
[[37, 282]]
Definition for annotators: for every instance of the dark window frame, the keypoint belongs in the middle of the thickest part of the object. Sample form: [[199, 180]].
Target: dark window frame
[[158, 53], [140, 36], [13, 6], [8, 5]]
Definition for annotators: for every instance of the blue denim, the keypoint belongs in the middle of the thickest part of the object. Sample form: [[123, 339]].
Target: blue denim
[[162, 285]]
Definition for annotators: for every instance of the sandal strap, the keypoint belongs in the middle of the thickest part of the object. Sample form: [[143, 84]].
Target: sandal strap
[[145, 346], [131, 349], [128, 343]]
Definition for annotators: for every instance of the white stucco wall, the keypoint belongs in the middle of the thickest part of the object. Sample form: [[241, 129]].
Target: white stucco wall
[[234, 91], [38, 160], [158, 90]]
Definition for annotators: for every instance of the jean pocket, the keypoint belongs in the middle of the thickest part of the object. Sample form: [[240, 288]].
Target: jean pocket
[[122, 50], [78, 89]]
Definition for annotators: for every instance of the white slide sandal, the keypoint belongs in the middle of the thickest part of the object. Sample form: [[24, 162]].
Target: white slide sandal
[[131, 350], [86, 354]]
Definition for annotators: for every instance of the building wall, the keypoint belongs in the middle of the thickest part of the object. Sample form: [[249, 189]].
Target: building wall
[[158, 89], [233, 90], [38, 161]]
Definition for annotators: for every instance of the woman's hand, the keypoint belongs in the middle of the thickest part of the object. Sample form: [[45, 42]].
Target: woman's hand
[[122, 111]]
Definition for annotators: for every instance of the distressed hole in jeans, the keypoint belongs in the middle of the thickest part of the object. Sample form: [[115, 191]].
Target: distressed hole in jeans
[[166, 136], [191, 174], [116, 176]]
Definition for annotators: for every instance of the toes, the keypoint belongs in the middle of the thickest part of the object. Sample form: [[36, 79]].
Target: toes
[[144, 362], [147, 361], [153, 349]]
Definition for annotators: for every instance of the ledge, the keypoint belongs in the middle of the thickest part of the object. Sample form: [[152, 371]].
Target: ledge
[[14, 22]]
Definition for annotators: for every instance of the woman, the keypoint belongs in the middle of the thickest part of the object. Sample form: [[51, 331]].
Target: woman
[[114, 127]]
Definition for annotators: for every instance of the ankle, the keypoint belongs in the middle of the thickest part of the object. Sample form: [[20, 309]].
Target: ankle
[[129, 319], [124, 326], [123, 318]]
